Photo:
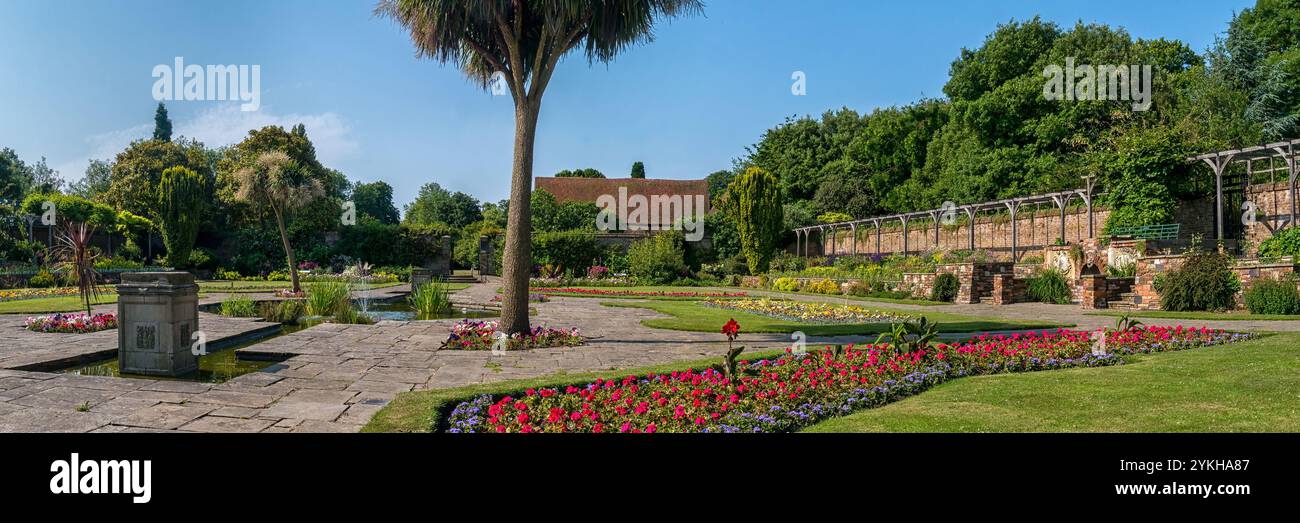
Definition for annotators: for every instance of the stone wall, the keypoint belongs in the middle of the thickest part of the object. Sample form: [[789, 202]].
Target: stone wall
[[1034, 230]]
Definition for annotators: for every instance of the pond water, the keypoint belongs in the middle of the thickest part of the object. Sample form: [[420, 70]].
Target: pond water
[[400, 310], [214, 367]]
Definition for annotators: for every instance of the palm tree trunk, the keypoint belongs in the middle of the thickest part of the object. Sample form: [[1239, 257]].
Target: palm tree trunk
[[517, 261], [288, 251]]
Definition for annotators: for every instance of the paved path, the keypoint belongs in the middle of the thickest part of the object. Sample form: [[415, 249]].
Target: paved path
[[335, 377]]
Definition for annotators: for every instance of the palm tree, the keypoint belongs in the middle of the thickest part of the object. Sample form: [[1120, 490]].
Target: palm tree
[[76, 256], [275, 182], [520, 42]]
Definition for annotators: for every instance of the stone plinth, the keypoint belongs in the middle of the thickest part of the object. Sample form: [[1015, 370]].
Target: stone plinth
[[1007, 289], [486, 257], [1096, 291], [157, 312], [420, 276]]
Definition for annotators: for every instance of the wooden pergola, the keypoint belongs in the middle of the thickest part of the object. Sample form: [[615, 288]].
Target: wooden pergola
[[1289, 154], [1012, 205]]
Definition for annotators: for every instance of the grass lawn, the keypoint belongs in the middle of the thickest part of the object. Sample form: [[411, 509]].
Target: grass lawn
[[1248, 387], [643, 288], [54, 304], [903, 301], [265, 286], [696, 317], [418, 411], [1197, 315]]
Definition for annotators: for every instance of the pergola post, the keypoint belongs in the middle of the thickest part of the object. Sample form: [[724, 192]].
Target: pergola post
[[1293, 168], [1218, 164], [970, 214], [1061, 202], [1012, 207], [1089, 182], [903, 218], [934, 215], [833, 246], [877, 224], [854, 227]]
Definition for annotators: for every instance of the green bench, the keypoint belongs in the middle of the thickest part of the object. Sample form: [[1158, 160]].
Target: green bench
[[1168, 231]]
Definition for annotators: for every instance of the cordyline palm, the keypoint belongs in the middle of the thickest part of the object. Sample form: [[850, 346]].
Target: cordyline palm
[[75, 255], [524, 40], [275, 182]]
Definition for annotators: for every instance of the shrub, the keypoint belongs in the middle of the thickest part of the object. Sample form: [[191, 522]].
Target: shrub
[[945, 288], [1285, 243], [567, 250], [1204, 282], [287, 311], [181, 193], [1127, 270], [755, 206], [657, 260], [1049, 286], [42, 280], [823, 286], [1272, 297], [201, 258], [222, 274], [239, 307], [327, 298], [430, 300], [785, 285]]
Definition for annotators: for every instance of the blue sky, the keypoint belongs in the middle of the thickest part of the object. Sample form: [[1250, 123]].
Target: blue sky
[[77, 80]]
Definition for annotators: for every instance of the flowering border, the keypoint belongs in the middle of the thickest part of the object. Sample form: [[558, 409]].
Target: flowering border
[[795, 390]]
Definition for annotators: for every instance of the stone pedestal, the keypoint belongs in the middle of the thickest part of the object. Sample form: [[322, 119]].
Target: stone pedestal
[[1096, 291], [486, 257], [157, 312], [420, 276]]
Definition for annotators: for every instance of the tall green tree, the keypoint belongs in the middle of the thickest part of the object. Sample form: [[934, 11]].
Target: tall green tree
[[435, 205], [277, 183], [638, 170], [162, 125], [376, 200], [520, 42], [137, 170], [754, 202], [97, 180], [182, 196]]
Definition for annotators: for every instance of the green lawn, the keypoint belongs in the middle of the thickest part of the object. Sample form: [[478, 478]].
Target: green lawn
[[266, 286], [642, 288], [1248, 387], [903, 301], [54, 304], [1198, 315], [696, 317]]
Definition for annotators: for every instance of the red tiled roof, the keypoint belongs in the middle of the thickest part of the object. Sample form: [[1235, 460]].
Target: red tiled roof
[[588, 189]]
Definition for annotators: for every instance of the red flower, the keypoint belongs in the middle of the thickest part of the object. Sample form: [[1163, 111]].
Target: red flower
[[731, 329]]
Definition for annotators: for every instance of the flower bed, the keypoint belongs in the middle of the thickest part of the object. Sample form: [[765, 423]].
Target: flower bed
[[785, 393], [482, 335], [648, 294], [808, 312], [78, 323], [32, 293]]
